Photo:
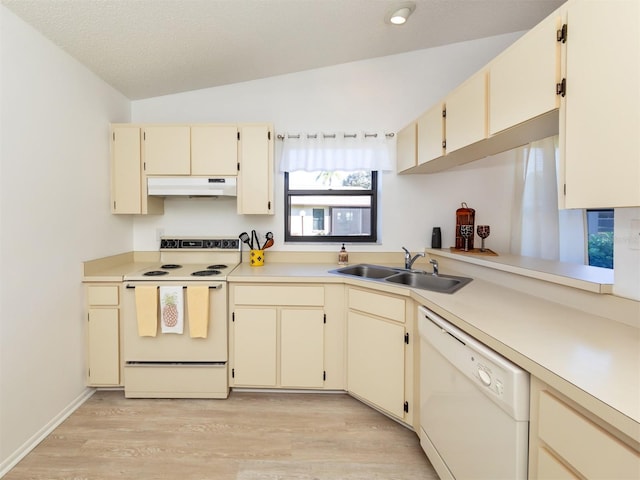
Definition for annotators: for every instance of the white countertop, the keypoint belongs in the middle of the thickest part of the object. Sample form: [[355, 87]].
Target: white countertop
[[592, 359]]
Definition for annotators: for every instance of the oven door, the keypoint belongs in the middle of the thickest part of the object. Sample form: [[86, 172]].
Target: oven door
[[177, 348]]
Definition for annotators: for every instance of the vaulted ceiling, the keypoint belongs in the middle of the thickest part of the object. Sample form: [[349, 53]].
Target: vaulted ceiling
[[147, 48]]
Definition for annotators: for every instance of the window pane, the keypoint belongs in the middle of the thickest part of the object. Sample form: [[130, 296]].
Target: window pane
[[330, 180], [600, 238], [330, 215]]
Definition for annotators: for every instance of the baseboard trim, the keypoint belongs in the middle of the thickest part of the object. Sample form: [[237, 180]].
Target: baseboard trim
[[32, 442]]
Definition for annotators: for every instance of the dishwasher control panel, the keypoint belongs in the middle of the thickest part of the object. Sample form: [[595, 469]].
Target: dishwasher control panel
[[503, 381]]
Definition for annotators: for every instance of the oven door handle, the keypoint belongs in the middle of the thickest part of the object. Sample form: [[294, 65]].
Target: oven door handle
[[210, 286]]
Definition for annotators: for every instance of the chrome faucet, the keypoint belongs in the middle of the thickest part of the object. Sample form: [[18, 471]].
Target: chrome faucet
[[408, 261], [434, 262]]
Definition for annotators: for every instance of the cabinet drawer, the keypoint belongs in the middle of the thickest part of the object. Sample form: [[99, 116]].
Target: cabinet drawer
[[180, 381], [377, 304], [279, 295], [550, 467], [102, 295], [589, 449]]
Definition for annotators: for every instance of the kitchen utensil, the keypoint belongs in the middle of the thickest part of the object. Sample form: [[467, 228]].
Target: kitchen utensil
[[255, 243], [244, 237], [268, 236], [483, 232], [268, 244]]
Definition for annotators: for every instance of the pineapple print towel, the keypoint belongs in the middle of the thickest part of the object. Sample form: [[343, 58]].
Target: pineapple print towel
[[171, 310]]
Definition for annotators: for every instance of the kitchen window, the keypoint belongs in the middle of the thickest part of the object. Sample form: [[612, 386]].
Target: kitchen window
[[600, 238], [330, 206]]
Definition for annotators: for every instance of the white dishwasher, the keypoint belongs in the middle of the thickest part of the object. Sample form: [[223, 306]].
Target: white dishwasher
[[474, 405]]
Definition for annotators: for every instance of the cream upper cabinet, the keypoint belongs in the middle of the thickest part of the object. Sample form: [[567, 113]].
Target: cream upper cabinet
[[128, 183], [522, 80], [166, 150], [256, 169], [214, 150], [466, 113], [406, 148], [600, 120], [431, 134]]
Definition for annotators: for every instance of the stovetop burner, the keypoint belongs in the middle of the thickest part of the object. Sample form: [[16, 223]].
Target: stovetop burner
[[170, 266], [206, 273], [155, 273], [216, 267]]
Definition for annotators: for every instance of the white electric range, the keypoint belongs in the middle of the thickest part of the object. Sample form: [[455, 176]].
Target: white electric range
[[173, 361]]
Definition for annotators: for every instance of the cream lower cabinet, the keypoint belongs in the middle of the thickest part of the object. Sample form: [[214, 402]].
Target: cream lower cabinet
[[103, 334], [283, 336], [569, 442], [378, 356]]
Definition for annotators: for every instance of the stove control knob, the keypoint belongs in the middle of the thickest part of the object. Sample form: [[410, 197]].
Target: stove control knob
[[209, 244]]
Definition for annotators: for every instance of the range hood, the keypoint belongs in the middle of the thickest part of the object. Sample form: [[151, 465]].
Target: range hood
[[191, 186]]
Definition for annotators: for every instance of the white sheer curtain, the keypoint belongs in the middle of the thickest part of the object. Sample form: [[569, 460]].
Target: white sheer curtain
[[538, 228], [338, 151]]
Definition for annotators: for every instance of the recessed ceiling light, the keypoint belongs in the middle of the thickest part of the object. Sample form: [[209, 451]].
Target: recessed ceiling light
[[400, 13]]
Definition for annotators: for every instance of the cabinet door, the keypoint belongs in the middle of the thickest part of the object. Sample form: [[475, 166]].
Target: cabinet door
[[601, 123], [406, 148], [430, 134], [126, 182], [301, 348], [254, 347], [104, 345], [375, 356], [214, 150], [522, 80], [466, 117], [255, 178], [167, 150]]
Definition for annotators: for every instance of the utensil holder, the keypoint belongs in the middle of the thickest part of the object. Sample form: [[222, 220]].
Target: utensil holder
[[256, 258]]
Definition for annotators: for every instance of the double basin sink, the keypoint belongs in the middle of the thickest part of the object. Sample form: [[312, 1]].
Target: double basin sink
[[408, 278]]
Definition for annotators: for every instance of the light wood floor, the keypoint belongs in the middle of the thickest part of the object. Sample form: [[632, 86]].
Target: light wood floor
[[249, 436]]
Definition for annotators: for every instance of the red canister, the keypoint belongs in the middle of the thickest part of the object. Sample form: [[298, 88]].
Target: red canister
[[465, 216]]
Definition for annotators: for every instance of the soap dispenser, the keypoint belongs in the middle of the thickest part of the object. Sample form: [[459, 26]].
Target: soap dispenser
[[343, 256]]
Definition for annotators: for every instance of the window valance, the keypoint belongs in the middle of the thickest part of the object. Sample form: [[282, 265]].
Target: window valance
[[338, 151]]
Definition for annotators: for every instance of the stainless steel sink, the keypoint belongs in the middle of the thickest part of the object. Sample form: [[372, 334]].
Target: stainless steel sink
[[367, 271], [436, 283], [408, 278]]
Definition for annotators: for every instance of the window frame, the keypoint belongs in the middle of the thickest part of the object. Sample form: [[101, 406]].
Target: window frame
[[373, 193]]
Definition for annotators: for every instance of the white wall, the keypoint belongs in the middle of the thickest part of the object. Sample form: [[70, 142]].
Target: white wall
[[379, 94], [54, 214]]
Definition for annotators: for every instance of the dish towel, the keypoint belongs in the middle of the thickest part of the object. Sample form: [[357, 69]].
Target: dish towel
[[198, 305], [171, 310], [147, 310]]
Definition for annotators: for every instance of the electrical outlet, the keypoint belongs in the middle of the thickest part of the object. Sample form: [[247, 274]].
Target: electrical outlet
[[159, 233], [634, 234]]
